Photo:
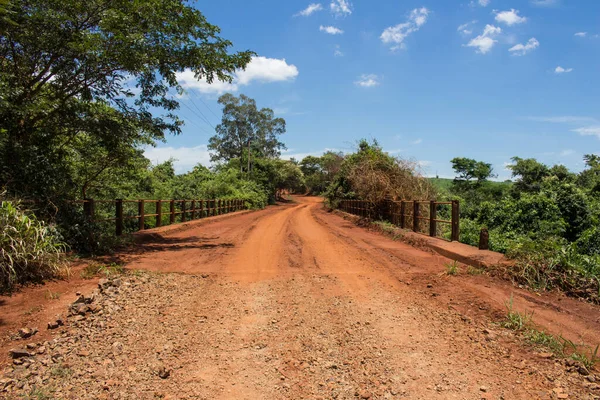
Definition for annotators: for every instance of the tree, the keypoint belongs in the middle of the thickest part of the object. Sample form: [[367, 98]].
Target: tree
[[76, 79], [246, 130], [529, 173], [468, 169]]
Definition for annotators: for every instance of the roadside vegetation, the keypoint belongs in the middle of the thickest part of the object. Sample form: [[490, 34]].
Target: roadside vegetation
[[547, 219]]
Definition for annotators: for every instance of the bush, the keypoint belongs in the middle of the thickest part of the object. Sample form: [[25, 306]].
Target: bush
[[29, 249], [589, 242]]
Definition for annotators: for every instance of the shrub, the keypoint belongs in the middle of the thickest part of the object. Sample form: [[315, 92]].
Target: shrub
[[29, 249]]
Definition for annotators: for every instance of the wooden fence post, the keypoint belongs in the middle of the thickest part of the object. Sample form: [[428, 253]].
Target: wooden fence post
[[183, 211], [89, 209], [432, 219], [455, 221], [402, 214], [141, 217], [193, 217], [201, 208], [172, 216], [119, 217], [415, 216], [484, 239], [158, 213]]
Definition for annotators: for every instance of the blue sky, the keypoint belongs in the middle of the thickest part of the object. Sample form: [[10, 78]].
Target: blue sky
[[429, 79]]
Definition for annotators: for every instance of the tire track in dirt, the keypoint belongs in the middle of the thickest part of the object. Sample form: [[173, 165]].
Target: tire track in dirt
[[288, 303]]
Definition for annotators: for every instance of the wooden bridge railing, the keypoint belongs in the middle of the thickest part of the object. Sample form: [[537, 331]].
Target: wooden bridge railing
[[184, 210], [411, 214]]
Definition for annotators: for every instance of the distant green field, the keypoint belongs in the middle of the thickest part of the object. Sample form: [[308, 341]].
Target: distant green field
[[445, 183]]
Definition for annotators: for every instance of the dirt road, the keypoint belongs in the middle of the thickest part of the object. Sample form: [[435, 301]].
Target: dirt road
[[293, 302]]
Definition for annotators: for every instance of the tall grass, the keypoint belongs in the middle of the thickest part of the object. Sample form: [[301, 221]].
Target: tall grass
[[30, 250]]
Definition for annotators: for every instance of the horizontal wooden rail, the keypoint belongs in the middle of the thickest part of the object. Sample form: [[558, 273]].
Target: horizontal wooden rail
[[400, 212], [184, 210]]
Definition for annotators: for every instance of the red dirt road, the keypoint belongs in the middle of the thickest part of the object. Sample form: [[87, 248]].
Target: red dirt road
[[295, 302]]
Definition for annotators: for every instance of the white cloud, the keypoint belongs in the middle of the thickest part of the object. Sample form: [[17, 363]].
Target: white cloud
[[261, 69], [338, 52], [484, 3], [510, 17], [265, 69], [581, 34], [566, 153], [312, 8], [545, 3], [397, 34], [185, 157], [341, 8], [418, 141], [563, 119], [561, 70], [367, 80], [465, 29], [522, 49], [589, 131], [332, 30], [188, 81], [290, 153], [484, 42]]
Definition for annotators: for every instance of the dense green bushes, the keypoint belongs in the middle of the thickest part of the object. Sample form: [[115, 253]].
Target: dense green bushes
[[547, 221], [29, 249]]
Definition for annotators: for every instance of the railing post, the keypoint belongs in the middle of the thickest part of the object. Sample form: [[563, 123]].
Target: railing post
[[172, 216], [119, 217], [484, 239], [183, 211], [193, 216], [141, 216], [201, 208], [415, 216], [88, 209], [402, 214], [432, 218], [455, 221], [158, 213]]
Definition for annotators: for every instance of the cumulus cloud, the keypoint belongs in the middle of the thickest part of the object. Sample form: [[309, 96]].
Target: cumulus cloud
[[561, 70], [510, 17], [341, 8], [581, 34], [185, 157], [396, 35], [260, 69], [484, 3], [332, 30], [312, 8], [265, 69], [484, 42], [522, 49], [337, 52], [589, 131], [367, 80]]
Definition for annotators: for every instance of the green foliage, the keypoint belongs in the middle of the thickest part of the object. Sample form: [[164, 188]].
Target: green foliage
[[546, 220], [468, 170], [29, 249], [373, 175], [70, 119], [515, 320], [245, 132], [319, 172], [452, 268]]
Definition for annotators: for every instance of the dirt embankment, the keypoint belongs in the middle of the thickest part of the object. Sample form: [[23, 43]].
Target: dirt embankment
[[294, 302]]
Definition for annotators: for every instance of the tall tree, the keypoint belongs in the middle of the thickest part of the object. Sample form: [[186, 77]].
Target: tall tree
[[68, 68], [246, 132], [469, 170]]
